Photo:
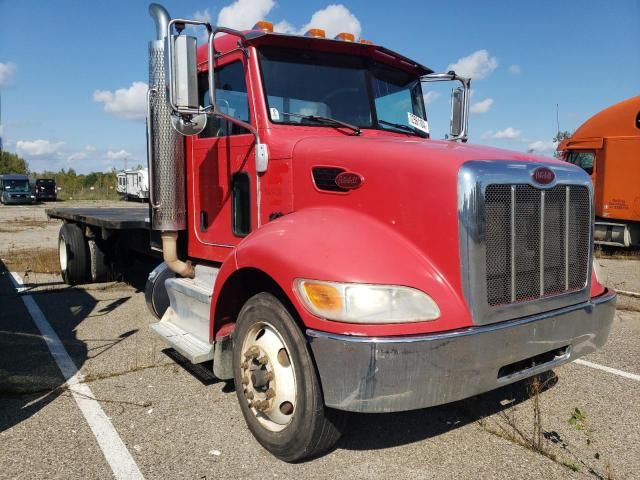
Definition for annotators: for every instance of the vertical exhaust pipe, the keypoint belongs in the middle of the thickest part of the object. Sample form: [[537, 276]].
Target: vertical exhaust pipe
[[161, 18], [166, 153]]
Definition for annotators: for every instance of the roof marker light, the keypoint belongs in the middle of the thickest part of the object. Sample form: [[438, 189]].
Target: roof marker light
[[345, 37], [264, 26], [366, 42], [315, 33]]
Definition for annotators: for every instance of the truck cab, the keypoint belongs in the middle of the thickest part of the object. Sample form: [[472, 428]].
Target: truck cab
[[327, 254], [15, 189], [46, 189], [607, 147]]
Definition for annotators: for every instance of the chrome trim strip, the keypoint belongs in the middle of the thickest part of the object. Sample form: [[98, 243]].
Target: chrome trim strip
[[513, 243], [473, 179], [607, 296], [541, 259], [566, 237], [151, 91]]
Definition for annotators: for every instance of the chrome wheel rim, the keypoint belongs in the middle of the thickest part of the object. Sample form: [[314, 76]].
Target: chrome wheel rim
[[62, 254], [268, 377]]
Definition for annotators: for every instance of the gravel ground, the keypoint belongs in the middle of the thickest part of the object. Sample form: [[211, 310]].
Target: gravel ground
[[180, 422], [24, 227]]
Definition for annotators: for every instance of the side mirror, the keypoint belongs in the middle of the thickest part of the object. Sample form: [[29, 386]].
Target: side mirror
[[459, 102], [184, 72], [456, 125], [181, 61]]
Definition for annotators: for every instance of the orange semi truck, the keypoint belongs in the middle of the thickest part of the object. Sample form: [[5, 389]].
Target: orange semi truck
[[607, 147]]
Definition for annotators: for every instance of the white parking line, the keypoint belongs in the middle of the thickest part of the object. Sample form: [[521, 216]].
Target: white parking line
[[615, 371], [115, 452]]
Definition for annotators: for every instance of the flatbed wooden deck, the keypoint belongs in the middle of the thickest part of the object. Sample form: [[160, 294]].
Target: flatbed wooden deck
[[113, 218]]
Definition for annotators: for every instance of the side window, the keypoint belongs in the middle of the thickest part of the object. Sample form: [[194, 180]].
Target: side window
[[231, 99]]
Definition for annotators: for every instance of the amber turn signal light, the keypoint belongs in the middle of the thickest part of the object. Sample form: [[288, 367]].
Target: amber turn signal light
[[315, 33], [345, 37], [264, 26], [323, 297]]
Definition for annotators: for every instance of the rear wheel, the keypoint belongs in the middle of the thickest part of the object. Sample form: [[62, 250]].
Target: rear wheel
[[73, 253], [99, 265], [277, 385]]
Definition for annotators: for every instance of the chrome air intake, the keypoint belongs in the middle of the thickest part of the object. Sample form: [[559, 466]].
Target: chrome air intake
[[165, 146], [525, 248]]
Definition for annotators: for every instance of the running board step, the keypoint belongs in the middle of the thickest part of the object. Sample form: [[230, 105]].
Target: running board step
[[188, 345]]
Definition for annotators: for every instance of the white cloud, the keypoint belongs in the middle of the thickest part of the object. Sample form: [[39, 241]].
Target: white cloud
[[284, 27], [202, 16], [508, 133], [119, 155], [6, 72], [541, 146], [130, 103], [482, 106], [37, 148], [515, 69], [477, 65], [74, 157], [243, 14], [430, 97], [334, 19]]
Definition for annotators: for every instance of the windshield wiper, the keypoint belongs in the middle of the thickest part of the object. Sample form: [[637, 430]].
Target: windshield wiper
[[325, 120], [403, 127]]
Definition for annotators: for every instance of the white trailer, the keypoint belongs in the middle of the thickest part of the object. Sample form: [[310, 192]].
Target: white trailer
[[133, 184]]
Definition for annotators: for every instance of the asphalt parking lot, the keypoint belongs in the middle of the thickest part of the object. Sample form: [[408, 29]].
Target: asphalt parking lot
[[166, 419]]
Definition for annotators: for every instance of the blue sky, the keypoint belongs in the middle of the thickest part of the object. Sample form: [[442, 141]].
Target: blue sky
[[63, 63]]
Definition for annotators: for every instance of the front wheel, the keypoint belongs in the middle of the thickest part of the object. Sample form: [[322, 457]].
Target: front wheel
[[277, 385]]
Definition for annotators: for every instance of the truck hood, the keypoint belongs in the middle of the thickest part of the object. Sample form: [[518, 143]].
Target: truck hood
[[409, 186]]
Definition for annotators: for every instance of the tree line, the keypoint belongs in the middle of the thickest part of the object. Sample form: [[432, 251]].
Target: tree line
[[94, 184]]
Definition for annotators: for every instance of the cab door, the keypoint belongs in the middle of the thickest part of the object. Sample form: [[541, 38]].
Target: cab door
[[223, 166]]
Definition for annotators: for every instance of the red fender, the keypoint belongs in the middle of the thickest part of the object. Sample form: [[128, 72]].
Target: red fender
[[344, 246]]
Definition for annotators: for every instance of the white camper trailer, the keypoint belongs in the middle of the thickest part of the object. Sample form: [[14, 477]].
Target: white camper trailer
[[133, 184]]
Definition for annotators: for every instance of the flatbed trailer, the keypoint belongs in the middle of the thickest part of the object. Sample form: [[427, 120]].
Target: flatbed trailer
[[97, 244], [110, 218]]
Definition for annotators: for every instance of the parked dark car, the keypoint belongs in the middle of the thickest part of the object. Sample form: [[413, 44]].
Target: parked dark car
[[46, 189], [15, 188]]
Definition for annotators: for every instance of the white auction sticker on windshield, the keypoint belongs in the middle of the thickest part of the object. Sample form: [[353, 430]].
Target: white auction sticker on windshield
[[417, 122], [275, 114]]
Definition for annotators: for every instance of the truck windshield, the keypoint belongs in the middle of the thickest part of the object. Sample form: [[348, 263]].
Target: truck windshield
[[17, 185], [582, 159], [351, 89]]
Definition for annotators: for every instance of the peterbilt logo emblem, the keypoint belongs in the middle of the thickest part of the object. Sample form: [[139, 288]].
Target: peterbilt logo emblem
[[349, 180], [543, 175]]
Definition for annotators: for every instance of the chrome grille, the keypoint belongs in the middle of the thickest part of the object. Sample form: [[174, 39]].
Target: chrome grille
[[537, 241]]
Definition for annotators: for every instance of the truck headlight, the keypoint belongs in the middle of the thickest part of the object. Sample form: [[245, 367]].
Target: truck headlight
[[364, 303]]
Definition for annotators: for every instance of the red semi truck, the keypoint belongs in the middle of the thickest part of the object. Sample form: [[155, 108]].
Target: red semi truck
[[324, 252]]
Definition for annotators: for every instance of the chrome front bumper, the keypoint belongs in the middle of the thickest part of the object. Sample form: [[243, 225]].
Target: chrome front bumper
[[389, 374]]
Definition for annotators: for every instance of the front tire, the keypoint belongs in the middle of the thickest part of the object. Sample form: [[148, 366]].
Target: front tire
[[73, 254], [277, 385]]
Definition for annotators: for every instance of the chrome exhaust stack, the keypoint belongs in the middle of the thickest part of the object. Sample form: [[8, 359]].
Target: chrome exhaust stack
[[165, 146], [165, 152]]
